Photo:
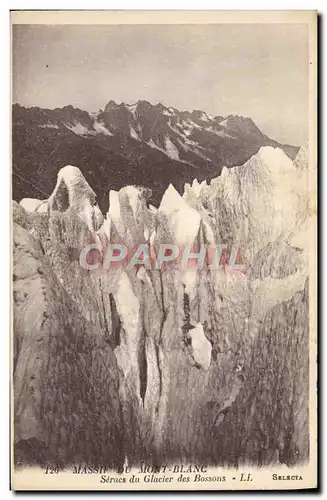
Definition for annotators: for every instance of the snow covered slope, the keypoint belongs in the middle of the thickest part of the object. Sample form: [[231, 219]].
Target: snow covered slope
[[260, 201]]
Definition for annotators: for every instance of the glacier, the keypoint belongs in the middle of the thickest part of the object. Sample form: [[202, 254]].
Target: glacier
[[163, 365]]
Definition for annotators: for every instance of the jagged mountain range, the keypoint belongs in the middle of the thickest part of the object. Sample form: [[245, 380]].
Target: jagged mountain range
[[139, 144]]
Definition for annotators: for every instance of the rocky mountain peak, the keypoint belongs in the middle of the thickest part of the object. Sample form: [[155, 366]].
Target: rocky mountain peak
[[110, 105], [122, 143]]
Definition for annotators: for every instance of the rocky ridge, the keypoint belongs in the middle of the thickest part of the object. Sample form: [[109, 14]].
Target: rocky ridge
[[124, 144]]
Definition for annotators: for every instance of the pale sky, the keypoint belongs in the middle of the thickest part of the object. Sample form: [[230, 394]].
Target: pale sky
[[253, 70]]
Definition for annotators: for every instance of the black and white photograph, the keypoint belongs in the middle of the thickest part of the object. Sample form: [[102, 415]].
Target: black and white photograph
[[164, 212]]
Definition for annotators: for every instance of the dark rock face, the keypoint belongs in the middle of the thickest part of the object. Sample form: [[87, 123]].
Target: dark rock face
[[139, 144]]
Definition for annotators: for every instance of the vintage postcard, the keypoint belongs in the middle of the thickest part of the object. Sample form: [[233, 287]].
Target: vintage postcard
[[164, 281]]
